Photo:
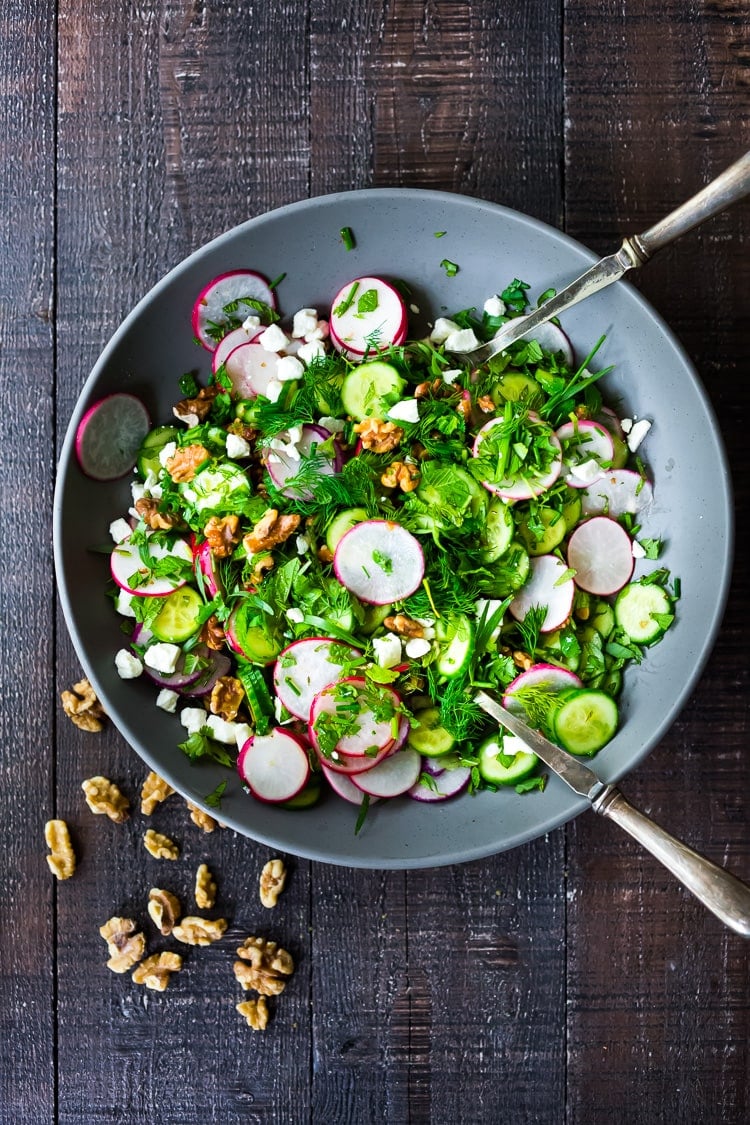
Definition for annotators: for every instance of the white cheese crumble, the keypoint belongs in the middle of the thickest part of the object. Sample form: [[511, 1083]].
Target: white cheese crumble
[[451, 375], [273, 390], [626, 424], [315, 349], [167, 452], [167, 700], [237, 446], [124, 604], [162, 657], [387, 650], [333, 425], [303, 545], [128, 665], [221, 729], [193, 719], [251, 324], [320, 332], [442, 329], [405, 411], [416, 647], [289, 368], [273, 339], [637, 551], [463, 340], [638, 433], [295, 616], [587, 471], [119, 529], [305, 320], [242, 731], [494, 306]]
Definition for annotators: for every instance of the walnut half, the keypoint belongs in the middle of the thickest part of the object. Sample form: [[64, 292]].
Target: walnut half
[[104, 798], [164, 909], [205, 888], [126, 947], [160, 847], [155, 790], [379, 436], [62, 861], [200, 818], [263, 966], [157, 969], [82, 707], [255, 1013], [272, 880], [200, 931]]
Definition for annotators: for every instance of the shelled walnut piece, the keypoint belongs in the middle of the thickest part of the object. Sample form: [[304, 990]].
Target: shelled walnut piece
[[205, 888], [199, 931], [222, 534], [379, 436], [62, 861], [82, 707], [126, 947], [226, 699], [263, 966], [403, 475], [255, 1013], [186, 461], [270, 530], [105, 799], [155, 790], [272, 880], [160, 847], [200, 818], [164, 909], [155, 972]]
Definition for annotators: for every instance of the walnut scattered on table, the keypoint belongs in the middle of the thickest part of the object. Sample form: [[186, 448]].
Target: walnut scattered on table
[[155, 972], [193, 930], [104, 798], [205, 888], [272, 880], [62, 861], [263, 966], [201, 818], [155, 790], [159, 846], [164, 909], [126, 945], [82, 706], [255, 1013]]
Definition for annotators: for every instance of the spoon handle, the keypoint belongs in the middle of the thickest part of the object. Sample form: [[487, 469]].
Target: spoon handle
[[732, 185], [726, 896]]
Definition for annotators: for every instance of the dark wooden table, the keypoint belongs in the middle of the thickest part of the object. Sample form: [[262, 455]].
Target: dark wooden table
[[571, 980]]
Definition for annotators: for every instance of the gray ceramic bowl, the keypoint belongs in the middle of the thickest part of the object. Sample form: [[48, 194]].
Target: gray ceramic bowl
[[395, 236]]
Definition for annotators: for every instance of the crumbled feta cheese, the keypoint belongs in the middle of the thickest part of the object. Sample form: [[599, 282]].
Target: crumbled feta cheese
[[494, 306], [167, 452], [123, 604], [320, 332], [442, 329], [137, 491], [637, 551], [221, 730], [251, 324], [303, 544], [273, 390], [626, 424], [278, 709], [193, 719], [305, 320], [310, 351], [294, 433], [119, 529], [295, 616], [451, 375], [405, 411], [462, 340], [162, 657], [273, 339], [167, 700], [242, 731], [128, 665], [333, 425], [417, 647], [387, 650], [587, 471], [288, 368], [237, 446], [428, 627], [638, 433]]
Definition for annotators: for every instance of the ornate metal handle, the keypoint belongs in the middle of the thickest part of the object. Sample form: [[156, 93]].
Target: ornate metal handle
[[726, 896]]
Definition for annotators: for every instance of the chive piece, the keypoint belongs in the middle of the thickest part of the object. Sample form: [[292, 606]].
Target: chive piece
[[213, 799], [348, 301], [362, 813], [347, 237], [440, 233], [451, 269], [276, 281]]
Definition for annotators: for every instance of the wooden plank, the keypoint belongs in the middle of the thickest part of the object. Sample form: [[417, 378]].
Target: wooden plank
[[659, 1009], [176, 122], [27, 228]]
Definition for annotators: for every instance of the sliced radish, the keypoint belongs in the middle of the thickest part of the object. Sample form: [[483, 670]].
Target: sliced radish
[[369, 735], [391, 777], [607, 418], [250, 369], [109, 436], [619, 492], [546, 587], [346, 764], [601, 553], [586, 446], [344, 786], [547, 676], [367, 314], [307, 666], [179, 680], [552, 338], [218, 665], [231, 341], [283, 467], [379, 562], [446, 783], [125, 562], [208, 309], [205, 562], [275, 766], [528, 486]]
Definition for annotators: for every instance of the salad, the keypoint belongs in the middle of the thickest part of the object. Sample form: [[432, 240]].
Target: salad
[[344, 532]]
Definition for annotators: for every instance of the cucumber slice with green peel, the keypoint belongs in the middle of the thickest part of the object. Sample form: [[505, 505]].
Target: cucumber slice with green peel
[[179, 617], [585, 721], [603, 619], [551, 528], [572, 509], [453, 497], [342, 523], [509, 573], [516, 387], [153, 443], [305, 799], [369, 390], [644, 611], [429, 736], [497, 534], [374, 616], [455, 635], [248, 638], [507, 764]]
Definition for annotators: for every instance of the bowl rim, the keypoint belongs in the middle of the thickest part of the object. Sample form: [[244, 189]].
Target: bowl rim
[[723, 579]]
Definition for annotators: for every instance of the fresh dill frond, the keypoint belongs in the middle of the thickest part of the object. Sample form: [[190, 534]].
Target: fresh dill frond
[[531, 626]]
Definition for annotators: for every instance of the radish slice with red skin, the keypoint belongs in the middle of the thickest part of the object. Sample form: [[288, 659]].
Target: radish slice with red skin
[[607, 418], [552, 338], [355, 356], [369, 733], [601, 553], [448, 783], [345, 787], [274, 766], [393, 776], [619, 492], [205, 562], [250, 369], [232, 340], [530, 486], [304, 668], [379, 562], [220, 291], [281, 467], [548, 676], [109, 436], [344, 763], [125, 561], [582, 442], [351, 330], [541, 589]]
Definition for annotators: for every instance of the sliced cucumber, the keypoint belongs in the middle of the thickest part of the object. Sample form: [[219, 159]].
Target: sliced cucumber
[[341, 523], [586, 721], [374, 615], [514, 386], [491, 753], [461, 494], [153, 443], [429, 736], [369, 390], [603, 619], [308, 797], [455, 635], [644, 611], [552, 530], [509, 573], [572, 508], [179, 617], [498, 531]]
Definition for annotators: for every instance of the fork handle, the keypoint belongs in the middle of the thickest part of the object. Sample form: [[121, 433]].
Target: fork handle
[[732, 185], [725, 895]]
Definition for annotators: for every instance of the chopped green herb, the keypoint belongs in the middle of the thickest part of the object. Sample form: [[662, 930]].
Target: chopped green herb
[[213, 799], [451, 269], [348, 301], [368, 302], [347, 237]]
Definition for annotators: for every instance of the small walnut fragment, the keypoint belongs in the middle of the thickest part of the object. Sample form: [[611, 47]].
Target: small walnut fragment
[[148, 510], [205, 888], [186, 461], [404, 626], [156, 970], [403, 475], [82, 707], [126, 946], [255, 1013], [62, 861], [222, 535], [272, 880], [379, 436], [164, 909], [193, 411], [200, 818], [485, 404], [105, 799], [227, 695], [261, 564], [199, 931], [160, 847], [270, 530], [212, 633], [155, 790], [263, 966]]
